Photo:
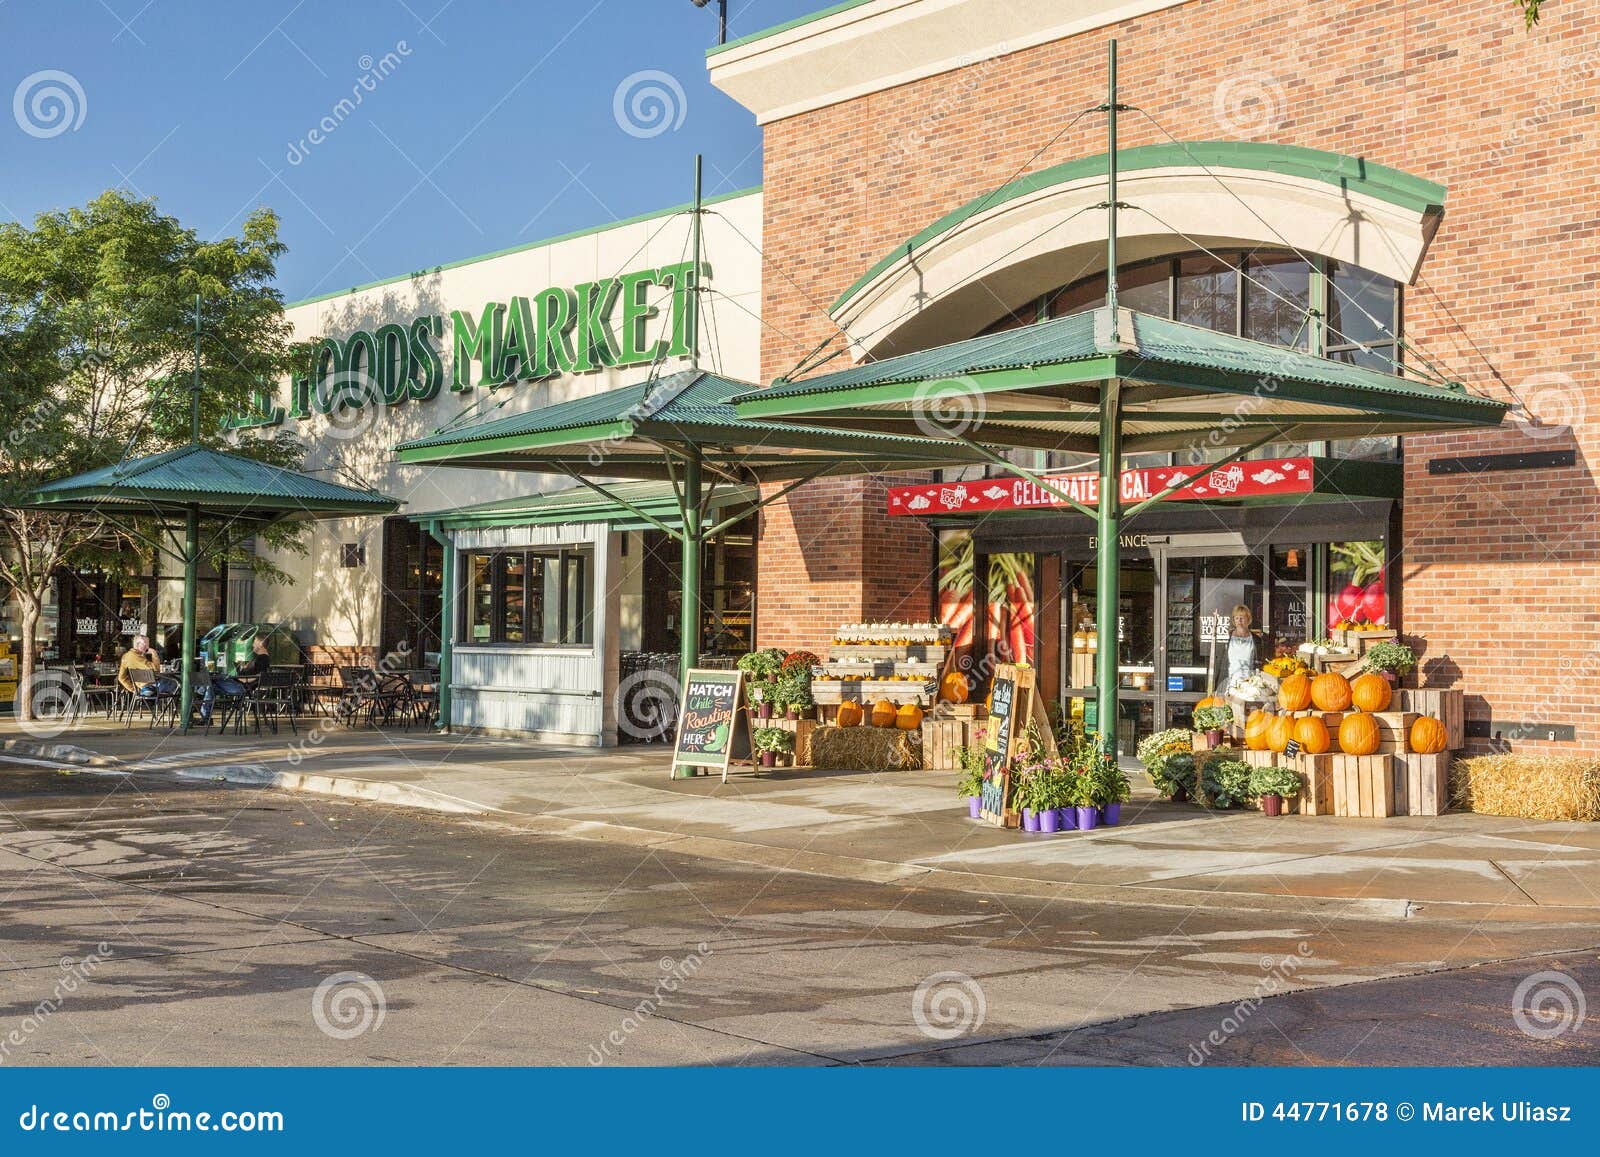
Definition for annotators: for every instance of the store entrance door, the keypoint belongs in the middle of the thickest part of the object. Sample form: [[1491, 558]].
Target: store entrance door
[[1202, 590]]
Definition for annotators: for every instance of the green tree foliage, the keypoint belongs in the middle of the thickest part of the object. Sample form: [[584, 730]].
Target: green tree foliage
[[96, 360]]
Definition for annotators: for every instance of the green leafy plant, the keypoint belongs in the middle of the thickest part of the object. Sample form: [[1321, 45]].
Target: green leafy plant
[[1224, 783], [793, 690], [971, 781], [1156, 747], [1213, 718], [1389, 656], [1284, 781], [761, 664], [774, 739]]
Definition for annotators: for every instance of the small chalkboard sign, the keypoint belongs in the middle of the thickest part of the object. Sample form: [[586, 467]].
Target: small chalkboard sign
[[1293, 749], [707, 720]]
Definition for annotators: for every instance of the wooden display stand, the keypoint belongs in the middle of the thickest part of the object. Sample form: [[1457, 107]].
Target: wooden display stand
[[1316, 784], [1446, 704], [1422, 783], [1260, 758], [942, 735], [1394, 730], [802, 729], [1363, 785]]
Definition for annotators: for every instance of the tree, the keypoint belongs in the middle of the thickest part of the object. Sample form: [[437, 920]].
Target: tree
[[1530, 11], [96, 356]]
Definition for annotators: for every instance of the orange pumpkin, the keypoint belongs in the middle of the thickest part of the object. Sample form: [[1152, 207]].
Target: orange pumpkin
[[1358, 734], [1255, 730], [1330, 691], [850, 714], [1294, 693], [1428, 736], [884, 713], [1211, 701], [1311, 733], [1279, 732], [909, 717], [1371, 692], [954, 688]]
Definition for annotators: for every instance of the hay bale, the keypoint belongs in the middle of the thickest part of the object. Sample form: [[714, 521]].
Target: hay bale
[[866, 749], [1531, 786]]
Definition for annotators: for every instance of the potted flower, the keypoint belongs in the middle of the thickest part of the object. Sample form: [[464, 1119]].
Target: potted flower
[[1080, 794], [1112, 790], [761, 671], [1390, 659], [1274, 785], [970, 760], [1213, 721], [1052, 790], [770, 742], [1028, 794], [794, 692], [1168, 759]]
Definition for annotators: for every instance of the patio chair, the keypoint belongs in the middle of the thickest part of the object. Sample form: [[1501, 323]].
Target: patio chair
[[276, 696], [161, 698], [365, 694]]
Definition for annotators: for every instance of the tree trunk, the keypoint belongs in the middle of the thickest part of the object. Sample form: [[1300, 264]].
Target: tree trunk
[[30, 621]]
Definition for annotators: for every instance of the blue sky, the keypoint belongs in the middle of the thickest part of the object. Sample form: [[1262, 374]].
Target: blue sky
[[480, 125]]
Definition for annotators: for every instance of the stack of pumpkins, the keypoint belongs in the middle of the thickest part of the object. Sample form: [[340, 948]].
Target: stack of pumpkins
[[907, 716], [1359, 700]]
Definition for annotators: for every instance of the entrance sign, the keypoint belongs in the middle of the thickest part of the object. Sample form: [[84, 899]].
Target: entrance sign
[[1269, 477], [707, 720], [1012, 705]]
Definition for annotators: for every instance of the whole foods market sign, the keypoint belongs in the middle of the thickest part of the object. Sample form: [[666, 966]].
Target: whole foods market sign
[[578, 330], [1256, 479]]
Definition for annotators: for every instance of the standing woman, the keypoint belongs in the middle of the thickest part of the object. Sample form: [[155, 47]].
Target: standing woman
[[1244, 650]]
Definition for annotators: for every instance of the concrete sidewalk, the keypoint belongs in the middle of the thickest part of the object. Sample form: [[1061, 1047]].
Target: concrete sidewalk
[[900, 827]]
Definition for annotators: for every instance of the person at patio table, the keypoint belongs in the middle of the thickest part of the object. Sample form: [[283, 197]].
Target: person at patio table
[[260, 661], [138, 657], [1244, 650], [235, 685]]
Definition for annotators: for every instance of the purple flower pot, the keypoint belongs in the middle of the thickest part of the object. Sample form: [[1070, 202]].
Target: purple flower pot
[[1088, 818], [1030, 820], [1050, 820], [1069, 818], [1111, 814], [974, 806], [769, 759]]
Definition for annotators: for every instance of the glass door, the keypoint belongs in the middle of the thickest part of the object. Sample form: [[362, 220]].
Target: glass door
[[1139, 698], [1202, 590]]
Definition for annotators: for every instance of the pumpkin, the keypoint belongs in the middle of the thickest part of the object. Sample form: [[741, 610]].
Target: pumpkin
[[1330, 691], [1371, 692], [1255, 730], [1294, 693], [1279, 731], [850, 714], [884, 713], [1211, 701], [1358, 734], [1427, 736], [1311, 733], [954, 688], [909, 717]]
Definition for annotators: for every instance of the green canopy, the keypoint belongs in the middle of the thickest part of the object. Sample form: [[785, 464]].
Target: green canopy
[[676, 427], [194, 482]]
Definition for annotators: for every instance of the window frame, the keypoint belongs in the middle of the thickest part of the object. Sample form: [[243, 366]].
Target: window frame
[[569, 561]]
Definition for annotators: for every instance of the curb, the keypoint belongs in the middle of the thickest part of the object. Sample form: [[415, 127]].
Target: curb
[[370, 790], [62, 753]]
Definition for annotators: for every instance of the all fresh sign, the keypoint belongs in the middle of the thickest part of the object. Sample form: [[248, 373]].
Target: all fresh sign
[[1255, 479], [560, 330]]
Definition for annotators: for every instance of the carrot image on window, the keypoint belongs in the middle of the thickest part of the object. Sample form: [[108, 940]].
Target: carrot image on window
[[1012, 607]]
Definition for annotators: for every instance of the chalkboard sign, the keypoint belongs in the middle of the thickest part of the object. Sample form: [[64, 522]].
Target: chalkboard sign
[[997, 744], [707, 719]]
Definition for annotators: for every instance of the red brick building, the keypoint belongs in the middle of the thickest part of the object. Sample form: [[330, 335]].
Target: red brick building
[[1446, 224]]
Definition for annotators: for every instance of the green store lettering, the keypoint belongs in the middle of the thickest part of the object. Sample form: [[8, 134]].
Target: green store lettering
[[597, 325]]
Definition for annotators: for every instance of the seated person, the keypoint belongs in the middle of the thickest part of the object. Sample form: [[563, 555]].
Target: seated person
[[260, 661], [138, 657]]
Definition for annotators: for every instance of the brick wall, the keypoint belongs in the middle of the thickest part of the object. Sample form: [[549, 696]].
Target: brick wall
[[1501, 575]]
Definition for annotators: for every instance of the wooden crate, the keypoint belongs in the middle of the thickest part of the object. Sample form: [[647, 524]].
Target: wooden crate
[[1199, 742], [941, 737], [1359, 641], [1426, 779], [1260, 758], [1316, 784], [1446, 704], [802, 729], [1363, 785], [1394, 730], [916, 652]]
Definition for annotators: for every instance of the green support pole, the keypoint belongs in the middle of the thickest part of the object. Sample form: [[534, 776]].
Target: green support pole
[[447, 623], [689, 645], [191, 559], [1108, 548], [694, 296]]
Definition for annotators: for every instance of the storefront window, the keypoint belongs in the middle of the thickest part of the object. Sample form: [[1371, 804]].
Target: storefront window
[[1290, 622], [1208, 294], [530, 597], [1277, 300], [955, 594], [1012, 608], [1356, 590]]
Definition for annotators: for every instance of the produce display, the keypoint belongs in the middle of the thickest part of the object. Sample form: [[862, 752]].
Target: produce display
[[1258, 688], [890, 634], [1330, 691], [1359, 734], [892, 662], [1371, 692], [1428, 736]]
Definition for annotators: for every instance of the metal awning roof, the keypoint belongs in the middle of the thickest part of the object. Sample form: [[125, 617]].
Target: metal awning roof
[[218, 483], [624, 433], [619, 506], [1182, 386]]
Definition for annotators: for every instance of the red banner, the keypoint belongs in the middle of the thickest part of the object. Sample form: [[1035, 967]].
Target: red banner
[[1266, 477]]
